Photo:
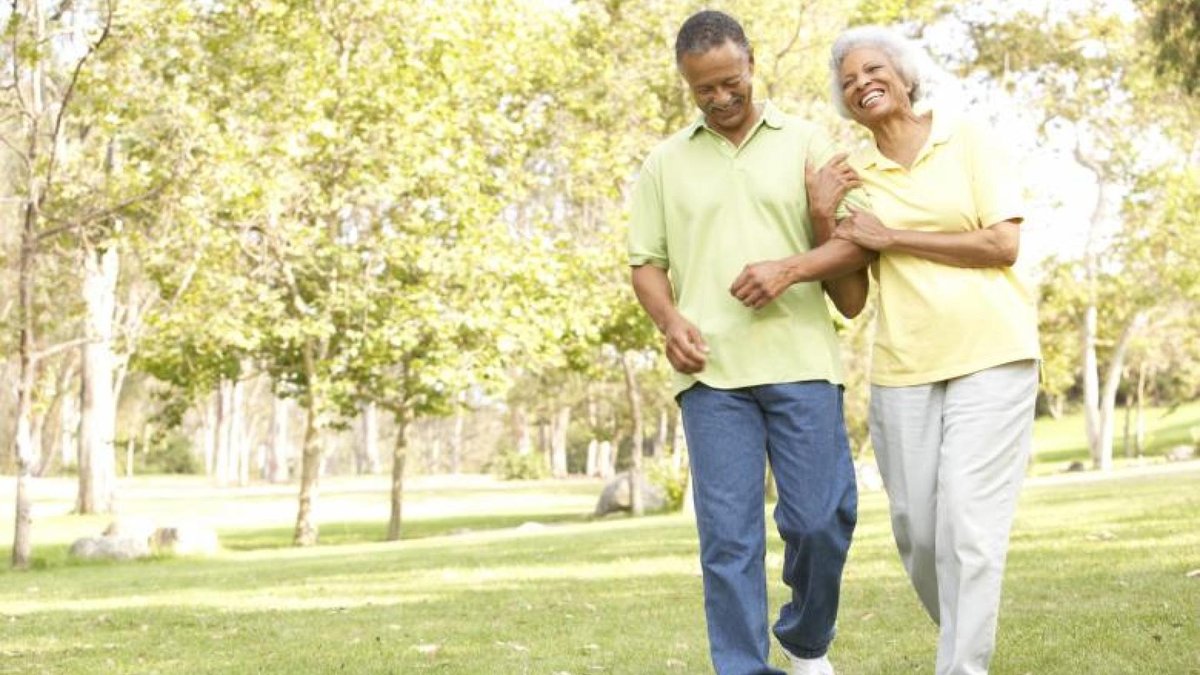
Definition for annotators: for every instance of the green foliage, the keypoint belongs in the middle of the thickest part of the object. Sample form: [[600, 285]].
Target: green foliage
[[169, 454], [1174, 29], [512, 465], [673, 481]]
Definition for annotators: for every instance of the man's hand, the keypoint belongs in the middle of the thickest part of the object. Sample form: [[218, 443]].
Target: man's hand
[[827, 186], [686, 349], [864, 229], [760, 283]]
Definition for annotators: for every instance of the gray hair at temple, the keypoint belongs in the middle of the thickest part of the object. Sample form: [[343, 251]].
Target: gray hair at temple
[[909, 61]]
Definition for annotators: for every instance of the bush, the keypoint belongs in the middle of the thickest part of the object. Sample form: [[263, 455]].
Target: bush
[[511, 465], [167, 455], [674, 482]]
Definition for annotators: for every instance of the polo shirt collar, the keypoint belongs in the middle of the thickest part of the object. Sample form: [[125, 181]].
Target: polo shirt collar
[[941, 131], [771, 116]]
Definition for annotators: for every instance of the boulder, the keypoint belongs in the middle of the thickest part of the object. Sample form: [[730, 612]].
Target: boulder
[[110, 548], [615, 496]]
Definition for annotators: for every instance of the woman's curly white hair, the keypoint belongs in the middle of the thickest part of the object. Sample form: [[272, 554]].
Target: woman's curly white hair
[[909, 61]]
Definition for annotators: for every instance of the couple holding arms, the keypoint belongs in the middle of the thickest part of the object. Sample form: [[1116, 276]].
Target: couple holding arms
[[740, 224]]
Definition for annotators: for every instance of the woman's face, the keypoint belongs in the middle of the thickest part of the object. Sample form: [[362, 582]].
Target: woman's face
[[872, 90]]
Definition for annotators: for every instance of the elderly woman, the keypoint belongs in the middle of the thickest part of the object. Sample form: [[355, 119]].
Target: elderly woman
[[954, 369]]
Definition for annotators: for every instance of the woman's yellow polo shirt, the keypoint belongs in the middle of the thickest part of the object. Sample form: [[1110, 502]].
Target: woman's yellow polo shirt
[[937, 322]]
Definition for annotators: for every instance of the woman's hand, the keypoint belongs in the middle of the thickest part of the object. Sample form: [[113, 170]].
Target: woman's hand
[[828, 185], [864, 229]]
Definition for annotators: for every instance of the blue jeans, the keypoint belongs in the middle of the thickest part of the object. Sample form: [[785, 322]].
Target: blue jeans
[[731, 434]]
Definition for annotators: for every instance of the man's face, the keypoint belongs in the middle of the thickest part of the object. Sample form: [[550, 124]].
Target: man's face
[[721, 81]]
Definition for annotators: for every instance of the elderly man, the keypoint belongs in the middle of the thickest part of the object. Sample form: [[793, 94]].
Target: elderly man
[[728, 256]]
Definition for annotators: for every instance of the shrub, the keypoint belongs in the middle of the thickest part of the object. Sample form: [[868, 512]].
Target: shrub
[[512, 465], [674, 482]]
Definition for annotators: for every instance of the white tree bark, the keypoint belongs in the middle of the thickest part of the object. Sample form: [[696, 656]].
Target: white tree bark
[[1091, 384], [239, 443], [98, 407], [679, 444], [209, 420], [593, 452], [558, 442], [222, 464], [1112, 381], [280, 448], [367, 450], [604, 459]]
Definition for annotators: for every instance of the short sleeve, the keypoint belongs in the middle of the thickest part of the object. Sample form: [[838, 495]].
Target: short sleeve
[[647, 225], [820, 149], [994, 180]]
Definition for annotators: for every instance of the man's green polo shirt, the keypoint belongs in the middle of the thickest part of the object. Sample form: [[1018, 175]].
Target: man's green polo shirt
[[703, 209]]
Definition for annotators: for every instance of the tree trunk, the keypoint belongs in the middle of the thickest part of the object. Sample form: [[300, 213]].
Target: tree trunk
[[558, 442], [637, 507], [1112, 382], [310, 469], [1139, 434], [1091, 383], [280, 443], [68, 444], [239, 444], [98, 409], [524, 439], [679, 444], [457, 445], [224, 449], [208, 432], [23, 439], [1127, 434], [1056, 405], [52, 426], [605, 459], [593, 451], [366, 459], [403, 419], [660, 440]]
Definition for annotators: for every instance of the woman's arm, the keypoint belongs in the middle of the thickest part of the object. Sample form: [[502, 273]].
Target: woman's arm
[[826, 188], [994, 246]]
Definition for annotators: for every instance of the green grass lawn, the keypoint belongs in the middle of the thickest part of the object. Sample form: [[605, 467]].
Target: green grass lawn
[[1097, 583], [1057, 443]]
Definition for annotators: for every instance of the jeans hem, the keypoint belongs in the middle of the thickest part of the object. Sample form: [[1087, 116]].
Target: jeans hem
[[805, 653]]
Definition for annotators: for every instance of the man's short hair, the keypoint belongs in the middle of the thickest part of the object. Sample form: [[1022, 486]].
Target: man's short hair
[[708, 30]]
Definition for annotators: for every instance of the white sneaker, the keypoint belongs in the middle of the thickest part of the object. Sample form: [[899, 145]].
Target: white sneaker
[[817, 666]]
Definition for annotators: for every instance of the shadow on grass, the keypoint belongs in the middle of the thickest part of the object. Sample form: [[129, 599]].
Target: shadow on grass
[[539, 626], [363, 532]]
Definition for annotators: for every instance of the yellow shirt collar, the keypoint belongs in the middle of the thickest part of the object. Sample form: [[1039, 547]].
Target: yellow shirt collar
[[942, 130]]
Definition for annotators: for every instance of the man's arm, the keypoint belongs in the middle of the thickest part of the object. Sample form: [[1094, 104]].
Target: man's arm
[[841, 268], [685, 348], [837, 261]]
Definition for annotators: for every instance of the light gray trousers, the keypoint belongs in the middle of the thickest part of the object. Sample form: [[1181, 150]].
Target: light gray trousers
[[952, 455]]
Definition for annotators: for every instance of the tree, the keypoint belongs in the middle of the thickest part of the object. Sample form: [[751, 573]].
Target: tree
[[1090, 84], [1174, 30]]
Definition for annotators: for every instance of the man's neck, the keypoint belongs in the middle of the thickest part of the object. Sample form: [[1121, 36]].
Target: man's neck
[[739, 136]]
